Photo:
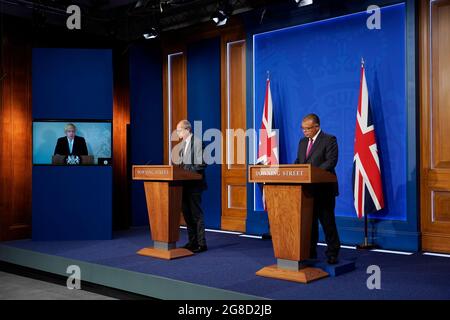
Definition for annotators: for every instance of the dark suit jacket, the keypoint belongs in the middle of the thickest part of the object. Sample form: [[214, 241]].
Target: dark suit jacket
[[79, 147], [323, 154], [192, 160]]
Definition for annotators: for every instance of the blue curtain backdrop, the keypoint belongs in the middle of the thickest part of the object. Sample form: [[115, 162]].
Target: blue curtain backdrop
[[315, 67], [203, 97], [72, 83], [146, 119]]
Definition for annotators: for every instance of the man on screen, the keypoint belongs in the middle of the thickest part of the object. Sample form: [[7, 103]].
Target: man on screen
[[321, 150], [71, 144], [191, 159]]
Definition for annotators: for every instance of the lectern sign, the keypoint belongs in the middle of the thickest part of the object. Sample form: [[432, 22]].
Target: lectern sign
[[163, 173], [278, 174], [289, 174], [149, 172]]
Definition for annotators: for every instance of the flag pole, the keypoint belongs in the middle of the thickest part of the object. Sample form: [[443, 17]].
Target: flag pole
[[366, 245]]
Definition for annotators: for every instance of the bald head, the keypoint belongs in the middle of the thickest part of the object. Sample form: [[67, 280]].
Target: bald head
[[184, 129], [185, 124]]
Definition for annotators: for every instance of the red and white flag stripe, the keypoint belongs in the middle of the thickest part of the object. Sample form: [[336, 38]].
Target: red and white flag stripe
[[367, 183], [268, 139], [268, 142]]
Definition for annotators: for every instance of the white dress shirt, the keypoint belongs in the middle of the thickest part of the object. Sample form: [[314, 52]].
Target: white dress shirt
[[70, 144], [187, 141]]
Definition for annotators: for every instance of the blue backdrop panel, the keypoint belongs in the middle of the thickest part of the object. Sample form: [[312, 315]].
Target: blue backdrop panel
[[203, 95], [146, 119], [315, 67], [45, 134], [72, 203], [72, 83], [394, 228]]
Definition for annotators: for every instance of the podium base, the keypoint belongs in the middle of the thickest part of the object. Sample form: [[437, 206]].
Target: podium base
[[165, 254], [304, 275]]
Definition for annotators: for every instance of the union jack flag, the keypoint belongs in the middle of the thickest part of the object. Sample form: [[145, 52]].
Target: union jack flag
[[367, 184], [268, 142], [268, 139]]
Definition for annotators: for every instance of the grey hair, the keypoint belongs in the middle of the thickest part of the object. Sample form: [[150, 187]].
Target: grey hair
[[69, 125], [186, 125]]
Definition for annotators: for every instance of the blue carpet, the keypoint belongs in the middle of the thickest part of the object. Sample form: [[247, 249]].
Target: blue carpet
[[231, 263]]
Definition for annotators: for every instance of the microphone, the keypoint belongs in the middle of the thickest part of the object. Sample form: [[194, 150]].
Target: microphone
[[148, 162]]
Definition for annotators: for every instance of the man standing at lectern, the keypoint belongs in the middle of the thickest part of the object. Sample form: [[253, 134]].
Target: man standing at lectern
[[191, 159], [321, 150]]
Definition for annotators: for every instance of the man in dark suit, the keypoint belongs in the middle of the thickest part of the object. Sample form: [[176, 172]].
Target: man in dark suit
[[71, 144], [321, 150], [191, 159]]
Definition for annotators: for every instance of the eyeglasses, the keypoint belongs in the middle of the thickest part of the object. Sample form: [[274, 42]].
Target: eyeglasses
[[309, 128], [180, 130]]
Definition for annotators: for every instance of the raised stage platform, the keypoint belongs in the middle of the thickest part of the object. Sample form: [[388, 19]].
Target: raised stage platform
[[227, 269]]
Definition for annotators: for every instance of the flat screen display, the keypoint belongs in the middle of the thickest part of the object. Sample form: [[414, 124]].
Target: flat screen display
[[71, 142]]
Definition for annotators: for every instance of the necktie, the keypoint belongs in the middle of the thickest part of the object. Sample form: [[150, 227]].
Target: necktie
[[71, 146], [310, 144]]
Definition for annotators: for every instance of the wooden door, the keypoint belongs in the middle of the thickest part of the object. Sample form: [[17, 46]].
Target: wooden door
[[435, 124], [174, 100], [234, 184], [174, 97]]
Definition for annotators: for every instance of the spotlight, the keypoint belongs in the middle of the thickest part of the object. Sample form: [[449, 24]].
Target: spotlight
[[302, 3], [151, 34], [139, 4], [164, 5], [220, 18], [223, 12]]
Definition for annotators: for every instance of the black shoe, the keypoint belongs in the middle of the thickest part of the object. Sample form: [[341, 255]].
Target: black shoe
[[332, 260], [200, 249], [189, 246]]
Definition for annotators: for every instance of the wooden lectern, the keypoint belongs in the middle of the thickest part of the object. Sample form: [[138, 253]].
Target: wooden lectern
[[163, 192], [290, 209]]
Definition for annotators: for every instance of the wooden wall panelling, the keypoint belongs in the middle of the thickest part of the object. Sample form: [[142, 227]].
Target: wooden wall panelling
[[121, 120], [435, 116], [174, 44], [174, 96], [15, 136], [233, 86]]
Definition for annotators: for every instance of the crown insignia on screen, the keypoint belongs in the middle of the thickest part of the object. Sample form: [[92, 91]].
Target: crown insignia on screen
[[73, 160]]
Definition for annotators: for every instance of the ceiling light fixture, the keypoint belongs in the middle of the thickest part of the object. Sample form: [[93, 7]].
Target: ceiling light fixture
[[151, 34], [220, 18], [303, 3]]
